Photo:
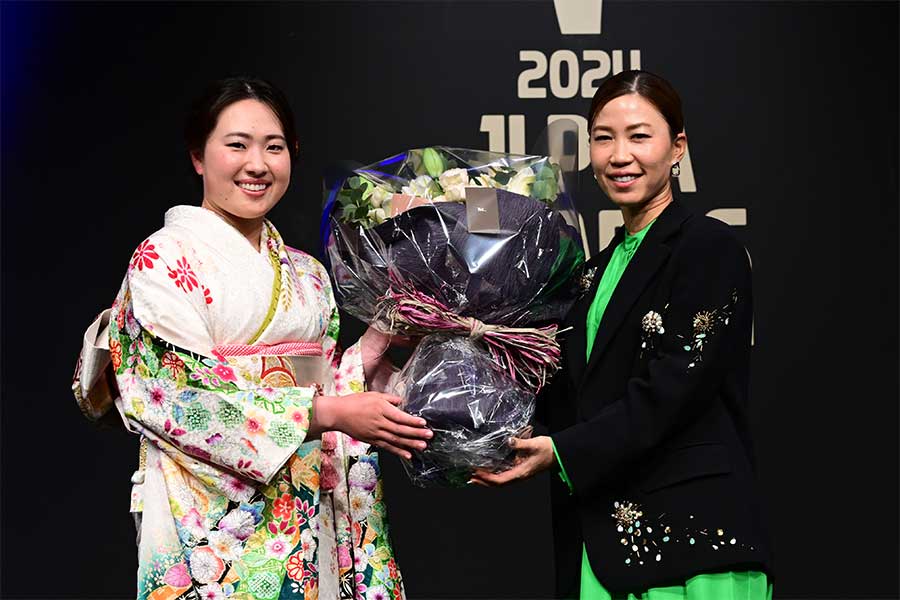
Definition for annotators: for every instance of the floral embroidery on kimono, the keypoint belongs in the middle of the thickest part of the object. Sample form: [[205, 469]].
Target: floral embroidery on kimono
[[235, 501]]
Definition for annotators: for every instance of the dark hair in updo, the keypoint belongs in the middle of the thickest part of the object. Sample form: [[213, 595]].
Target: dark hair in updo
[[652, 88], [219, 95]]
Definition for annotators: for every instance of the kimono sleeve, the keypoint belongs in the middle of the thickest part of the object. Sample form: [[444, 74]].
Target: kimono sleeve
[[351, 474], [93, 383], [696, 340], [347, 366], [194, 403]]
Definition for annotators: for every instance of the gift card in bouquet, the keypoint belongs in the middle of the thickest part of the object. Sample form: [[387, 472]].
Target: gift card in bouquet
[[482, 210]]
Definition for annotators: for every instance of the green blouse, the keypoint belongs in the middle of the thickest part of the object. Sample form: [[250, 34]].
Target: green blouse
[[749, 585], [621, 256]]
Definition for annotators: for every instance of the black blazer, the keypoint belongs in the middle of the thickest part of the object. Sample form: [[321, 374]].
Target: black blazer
[[653, 430]]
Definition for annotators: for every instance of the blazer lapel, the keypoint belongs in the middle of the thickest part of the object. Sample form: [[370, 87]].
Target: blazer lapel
[[650, 256], [576, 344]]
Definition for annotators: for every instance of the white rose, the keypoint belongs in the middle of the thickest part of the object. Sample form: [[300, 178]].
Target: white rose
[[521, 182], [454, 182], [455, 193], [379, 196], [377, 215], [420, 186]]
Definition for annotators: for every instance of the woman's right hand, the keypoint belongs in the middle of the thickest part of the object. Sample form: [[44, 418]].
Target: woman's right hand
[[371, 417]]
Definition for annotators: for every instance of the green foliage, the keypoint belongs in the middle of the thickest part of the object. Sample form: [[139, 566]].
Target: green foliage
[[546, 184], [353, 200], [502, 175]]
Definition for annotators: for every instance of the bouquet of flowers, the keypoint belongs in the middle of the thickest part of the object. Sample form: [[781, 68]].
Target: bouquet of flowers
[[477, 251]]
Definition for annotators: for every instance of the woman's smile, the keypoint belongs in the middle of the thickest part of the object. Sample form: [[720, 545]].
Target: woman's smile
[[254, 188]]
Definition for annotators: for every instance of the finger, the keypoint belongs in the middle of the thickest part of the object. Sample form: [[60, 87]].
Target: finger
[[503, 477], [400, 442], [395, 400], [523, 445], [517, 443], [492, 479], [393, 449], [404, 341], [407, 443], [476, 481], [401, 418], [417, 433]]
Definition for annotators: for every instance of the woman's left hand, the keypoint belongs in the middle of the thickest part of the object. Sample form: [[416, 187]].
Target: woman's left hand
[[374, 346], [375, 343], [532, 456]]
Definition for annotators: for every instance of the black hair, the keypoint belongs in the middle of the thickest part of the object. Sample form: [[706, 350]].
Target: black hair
[[205, 110], [653, 88]]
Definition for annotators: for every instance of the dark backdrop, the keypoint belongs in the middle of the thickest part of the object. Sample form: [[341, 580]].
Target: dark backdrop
[[791, 111]]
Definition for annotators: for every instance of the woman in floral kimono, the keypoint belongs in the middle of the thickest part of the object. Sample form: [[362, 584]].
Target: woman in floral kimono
[[223, 343]]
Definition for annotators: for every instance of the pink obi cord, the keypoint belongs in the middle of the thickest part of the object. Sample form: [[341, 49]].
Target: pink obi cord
[[282, 349]]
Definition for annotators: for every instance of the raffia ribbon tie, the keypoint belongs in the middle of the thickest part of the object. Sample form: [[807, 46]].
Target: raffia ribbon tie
[[477, 329], [529, 355]]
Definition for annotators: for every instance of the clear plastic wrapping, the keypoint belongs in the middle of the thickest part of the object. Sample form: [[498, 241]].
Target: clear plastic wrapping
[[470, 404], [479, 245], [519, 275]]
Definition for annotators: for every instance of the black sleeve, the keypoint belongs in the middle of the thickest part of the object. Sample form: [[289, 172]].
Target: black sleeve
[[705, 321], [552, 402]]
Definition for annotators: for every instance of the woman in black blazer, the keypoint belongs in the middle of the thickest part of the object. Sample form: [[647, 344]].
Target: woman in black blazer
[[648, 418]]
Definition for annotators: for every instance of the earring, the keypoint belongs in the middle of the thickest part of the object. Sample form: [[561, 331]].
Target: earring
[[676, 170], [595, 175]]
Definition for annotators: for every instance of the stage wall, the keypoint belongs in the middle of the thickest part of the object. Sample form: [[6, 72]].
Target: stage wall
[[791, 116]]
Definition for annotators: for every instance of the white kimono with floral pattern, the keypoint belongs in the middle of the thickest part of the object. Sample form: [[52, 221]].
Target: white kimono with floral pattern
[[217, 367]]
